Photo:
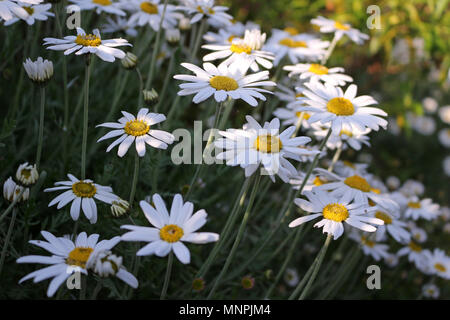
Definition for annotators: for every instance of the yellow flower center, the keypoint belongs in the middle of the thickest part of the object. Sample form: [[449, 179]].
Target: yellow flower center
[[25, 173], [288, 42], [348, 164], [84, 189], [149, 8], [299, 95], [171, 233], [318, 182], [102, 2], [29, 10], [239, 48], [231, 38], [291, 30], [79, 257], [340, 26], [357, 182], [318, 69], [268, 144], [375, 190], [211, 11], [341, 107], [440, 267], [346, 132], [336, 212], [136, 128], [383, 216], [414, 205], [223, 83], [306, 116], [88, 40], [415, 247], [367, 242]]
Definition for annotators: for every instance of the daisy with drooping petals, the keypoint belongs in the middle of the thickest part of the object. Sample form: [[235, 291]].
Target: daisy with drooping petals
[[370, 247], [392, 225], [339, 29], [82, 194], [9, 9], [223, 82], [107, 6], [424, 208], [329, 104], [316, 72], [119, 24], [348, 137], [430, 290], [334, 211], [438, 263], [415, 254], [88, 43], [137, 129], [68, 257], [200, 9], [150, 12], [256, 145], [170, 230], [293, 98], [346, 168], [38, 12], [247, 49]]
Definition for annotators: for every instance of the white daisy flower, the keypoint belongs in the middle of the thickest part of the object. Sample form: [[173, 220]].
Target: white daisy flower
[[297, 47], [256, 145], [291, 277], [391, 260], [222, 36], [335, 211], [107, 6], [339, 29], [415, 254], [424, 208], [137, 129], [346, 168], [170, 230], [223, 82], [119, 24], [329, 104], [10, 9], [347, 137], [392, 225], [430, 290], [82, 194], [446, 165], [438, 263], [313, 181], [444, 114], [357, 188], [418, 234], [38, 12], [316, 72], [68, 257], [150, 12], [88, 43], [444, 137], [412, 188], [293, 98], [370, 247], [12, 191], [27, 174], [393, 182], [39, 71], [200, 9], [247, 49]]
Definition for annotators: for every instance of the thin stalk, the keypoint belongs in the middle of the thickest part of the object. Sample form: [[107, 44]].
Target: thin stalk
[[298, 125], [8, 238], [239, 236], [135, 179], [41, 129], [336, 156], [141, 87], [166, 80], [156, 48], [198, 39], [12, 205], [329, 51], [85, 116], [318, 263], [167, 277], [97, 289]]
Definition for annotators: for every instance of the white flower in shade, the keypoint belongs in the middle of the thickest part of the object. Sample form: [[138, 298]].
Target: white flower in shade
[[370, 247], [256, 145], [137, 129], [424, 125], [424, 208], [200, 9], [430, 104], [418, 234], [223, 82], [119, 207], [347, 137], [393, 182], [247, 49], [27, 174], [339, 29], [316, 72], [297, 47], [38, 12], [412, 188], [119, 24], [68, 257], [430, 290], [170, 230], [173, 36], [39, 71], [391, 260], [446, 165], [293, 98], [106, 6], [312, 182], [346, 168], [150, 12], [9, 9], [82, 194], [357, 188], [415, 254], [333, 212], [444, 114], [12, 191], [444, 137], [291, 277], [438, 263], [329, 104], [88, 43], [392, 225]]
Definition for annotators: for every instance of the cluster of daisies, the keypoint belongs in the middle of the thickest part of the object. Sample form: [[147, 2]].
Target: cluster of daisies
[[318, 100]]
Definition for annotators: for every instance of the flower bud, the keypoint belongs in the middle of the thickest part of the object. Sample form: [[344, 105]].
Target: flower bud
[[173, 37], [40, 71], [130, 60], [150, 97], [119, 207], [104, 263], [11, 191], [185, 24], [27, 174]]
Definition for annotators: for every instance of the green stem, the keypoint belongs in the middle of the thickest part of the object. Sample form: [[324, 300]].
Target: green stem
[[141, 88], [238, 238], [97, 289], [167, 277], [318, 262], [166, 80], [336, 156], [198, 39], [329, 51], [12, 205], [41, 129], [85, 116], [8, 238], [135, 179]]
